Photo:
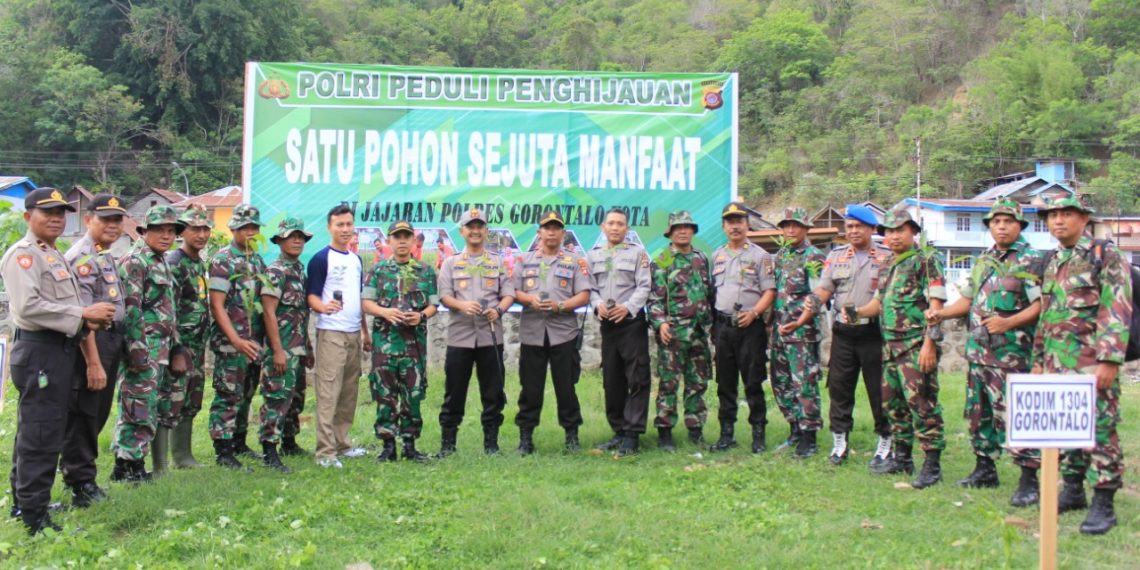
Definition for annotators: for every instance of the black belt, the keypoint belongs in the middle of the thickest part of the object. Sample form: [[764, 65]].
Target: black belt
[[873, 322], [726, 318], [115, 328], [46, 336]]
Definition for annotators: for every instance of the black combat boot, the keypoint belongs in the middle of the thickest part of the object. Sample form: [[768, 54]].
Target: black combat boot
[[630, 444], [612, 443], [1072, 497], [447, 442], [1101, 517], [793, 438], [1026, 493], [807, 445], [122, 471], [272, 460], [83, 496], [38, 521], [931, 471], [388, 453], [491, 440], [665, 440], [240, 447], [759, 438], [572, 443], [985, 474], [697, 437], [224, 449], [900, 462], [289, 448], [410, 452], [727, 441], [526, 441]]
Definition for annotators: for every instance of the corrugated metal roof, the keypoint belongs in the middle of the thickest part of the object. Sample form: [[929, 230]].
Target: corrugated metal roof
[[227, 197]]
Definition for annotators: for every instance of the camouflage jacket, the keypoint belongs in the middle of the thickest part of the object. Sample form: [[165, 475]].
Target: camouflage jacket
[[409, 286], [906, 287], [240, 276], [1084, 318], [682, 292], [193, 301], [798, 269], [1003, 284], [150, 324], [285, 280]]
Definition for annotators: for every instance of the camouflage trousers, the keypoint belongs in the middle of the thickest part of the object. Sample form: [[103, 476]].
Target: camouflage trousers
[[291, 426], [195, 378], [686, 358], [277, 396], [910, 399], [795, 375], [235, 381], [138, 403], [398, 385], [1107, 458], [172, 395], [985, 411]]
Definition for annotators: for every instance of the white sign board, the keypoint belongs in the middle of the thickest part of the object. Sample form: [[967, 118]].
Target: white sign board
[[1051, 410]]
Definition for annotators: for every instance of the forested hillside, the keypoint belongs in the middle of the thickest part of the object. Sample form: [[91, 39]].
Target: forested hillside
[[109, 93]]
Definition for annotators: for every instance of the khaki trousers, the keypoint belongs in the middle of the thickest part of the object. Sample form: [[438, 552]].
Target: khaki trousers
[[338, 375]]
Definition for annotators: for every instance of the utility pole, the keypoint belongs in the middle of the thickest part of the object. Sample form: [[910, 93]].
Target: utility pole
[[918, 176]]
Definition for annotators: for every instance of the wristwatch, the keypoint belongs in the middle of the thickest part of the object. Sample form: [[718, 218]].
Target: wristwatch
[[499, 310], [423, 316], [561, 307]]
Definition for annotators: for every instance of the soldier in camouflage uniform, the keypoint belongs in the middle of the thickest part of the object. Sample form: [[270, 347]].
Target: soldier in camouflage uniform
[[400, 292], [680, 312], [235, 279], [152, 344], [1085, 313], [189, 271], [795, 333], [911, 284], [286, 315], [1002, 297], [93, 395]]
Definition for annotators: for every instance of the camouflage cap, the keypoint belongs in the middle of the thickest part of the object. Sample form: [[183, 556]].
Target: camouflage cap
[[244, 215], [196, 216], [734, 209], [1007, 207], [160, 216], [797, 215], [1064, 203], [681, 218], [401, 226], [472, 215], [896, 219], [287, 227], [551, 217]]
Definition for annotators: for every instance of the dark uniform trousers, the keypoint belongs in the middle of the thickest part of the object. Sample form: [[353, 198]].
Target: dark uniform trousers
[[533, 362], [488, 364], [42, 413], [88, 411], [855, 348], [740, 354], [625, 373]]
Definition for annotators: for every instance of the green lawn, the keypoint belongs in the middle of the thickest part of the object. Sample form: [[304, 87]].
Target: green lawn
[[655, 510]]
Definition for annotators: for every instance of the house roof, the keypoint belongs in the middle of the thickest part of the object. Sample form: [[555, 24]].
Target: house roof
[[944, 205], [227, 197], [16, 186], [1011, 188], [170, 195]]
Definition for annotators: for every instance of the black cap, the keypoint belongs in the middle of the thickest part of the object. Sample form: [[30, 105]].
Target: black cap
[[400, 226], [106, 205], [551, 217], [45, 198]]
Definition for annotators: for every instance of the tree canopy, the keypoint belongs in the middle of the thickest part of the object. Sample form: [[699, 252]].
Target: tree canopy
[[109, 93]]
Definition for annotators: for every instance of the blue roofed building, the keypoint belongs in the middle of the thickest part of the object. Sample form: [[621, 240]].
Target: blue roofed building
[[13, 189]]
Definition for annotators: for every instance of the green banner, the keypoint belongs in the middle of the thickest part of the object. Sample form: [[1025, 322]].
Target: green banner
[[426, 144]]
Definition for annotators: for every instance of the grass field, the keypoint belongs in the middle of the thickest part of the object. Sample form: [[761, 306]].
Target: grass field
[[655, 510]]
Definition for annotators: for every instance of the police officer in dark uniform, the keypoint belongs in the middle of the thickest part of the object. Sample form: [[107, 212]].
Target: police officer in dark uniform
[[49, 318], [97, 272]]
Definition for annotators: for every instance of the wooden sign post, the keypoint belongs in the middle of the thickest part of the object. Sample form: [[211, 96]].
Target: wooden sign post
[[1050, 412]]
